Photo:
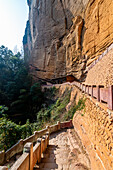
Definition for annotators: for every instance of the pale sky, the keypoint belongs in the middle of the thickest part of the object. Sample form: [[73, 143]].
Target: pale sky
[[13, 18]]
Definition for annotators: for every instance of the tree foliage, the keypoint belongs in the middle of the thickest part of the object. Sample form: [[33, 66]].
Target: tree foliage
[[13, 75], [16, 91]]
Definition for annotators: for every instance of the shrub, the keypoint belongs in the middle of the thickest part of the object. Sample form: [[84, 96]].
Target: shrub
[[10, 132]]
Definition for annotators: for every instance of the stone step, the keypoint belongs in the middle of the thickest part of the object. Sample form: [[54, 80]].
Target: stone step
[[47, 155], [48, 160], [50, 151], [48, 165]]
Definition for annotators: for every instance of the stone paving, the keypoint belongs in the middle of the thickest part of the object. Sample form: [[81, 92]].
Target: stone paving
[[65, 152]]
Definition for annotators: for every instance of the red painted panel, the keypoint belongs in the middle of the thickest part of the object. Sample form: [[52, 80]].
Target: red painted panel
[[95, 92], [66, 124], [87, 89], [83, 88], [110, 97], [90, 90], [104, 94]]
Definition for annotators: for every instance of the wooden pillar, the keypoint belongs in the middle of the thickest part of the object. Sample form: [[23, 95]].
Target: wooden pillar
[[29, 149]]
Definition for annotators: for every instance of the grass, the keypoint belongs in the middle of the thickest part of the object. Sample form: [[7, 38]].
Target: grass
[[74, 108]]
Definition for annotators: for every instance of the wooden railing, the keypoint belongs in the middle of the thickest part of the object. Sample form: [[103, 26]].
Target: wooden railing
[[40, 141]]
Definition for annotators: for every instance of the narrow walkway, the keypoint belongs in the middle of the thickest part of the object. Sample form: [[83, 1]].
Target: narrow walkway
[[65, 152]]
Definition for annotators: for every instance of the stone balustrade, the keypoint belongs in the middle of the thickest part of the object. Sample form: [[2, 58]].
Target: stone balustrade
[[31, 154]]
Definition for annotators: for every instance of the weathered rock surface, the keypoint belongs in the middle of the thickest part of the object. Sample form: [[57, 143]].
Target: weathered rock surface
[[64, 37]]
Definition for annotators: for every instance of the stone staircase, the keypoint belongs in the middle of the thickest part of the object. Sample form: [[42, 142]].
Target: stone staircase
[[48, 161], [64, 153]]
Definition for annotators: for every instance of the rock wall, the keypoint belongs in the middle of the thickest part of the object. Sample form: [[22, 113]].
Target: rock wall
[[64, 37], [46, 35]]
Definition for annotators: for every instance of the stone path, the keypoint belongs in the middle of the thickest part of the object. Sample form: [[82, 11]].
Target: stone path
[[65, 152]]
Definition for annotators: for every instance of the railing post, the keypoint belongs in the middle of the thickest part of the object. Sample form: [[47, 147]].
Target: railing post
[[29, 149], [85, 89], [3, 168], [39, 140], [82, 87], [91, 91], [58, 123], [2, 157], [88, 90], [44, 143], [98, 93], [110, 97], [48, 128], [71, 123], [42, 146], [47, 136], [36, 135]]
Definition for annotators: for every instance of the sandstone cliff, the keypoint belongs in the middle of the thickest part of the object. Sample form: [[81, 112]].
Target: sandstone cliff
[[64, 37]]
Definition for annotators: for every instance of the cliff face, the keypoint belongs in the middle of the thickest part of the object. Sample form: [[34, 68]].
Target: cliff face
[[64, 37]]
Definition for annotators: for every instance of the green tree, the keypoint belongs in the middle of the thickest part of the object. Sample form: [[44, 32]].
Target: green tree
[[13, 75]]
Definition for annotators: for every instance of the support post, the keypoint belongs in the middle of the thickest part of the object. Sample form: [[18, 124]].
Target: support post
[[58, 123], [29, 149], [39, 140]]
